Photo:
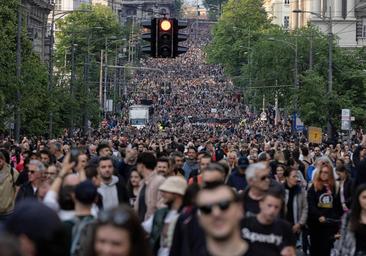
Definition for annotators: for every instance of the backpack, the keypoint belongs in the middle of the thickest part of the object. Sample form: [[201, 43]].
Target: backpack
[[81, 231]]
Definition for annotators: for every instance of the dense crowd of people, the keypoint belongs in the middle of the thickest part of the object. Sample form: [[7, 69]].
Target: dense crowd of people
[[204, 177]]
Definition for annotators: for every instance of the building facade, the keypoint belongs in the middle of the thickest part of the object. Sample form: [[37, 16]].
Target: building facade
[[346, 18], [279, 12], [146, 9], [35, 13]]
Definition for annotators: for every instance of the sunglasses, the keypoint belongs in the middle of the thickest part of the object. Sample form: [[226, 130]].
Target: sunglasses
[[118, 218], [263, 178], [208, 208]]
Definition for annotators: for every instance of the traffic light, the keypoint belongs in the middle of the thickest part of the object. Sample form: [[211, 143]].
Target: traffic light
[[179, 37], [149, 36], [164, 37]]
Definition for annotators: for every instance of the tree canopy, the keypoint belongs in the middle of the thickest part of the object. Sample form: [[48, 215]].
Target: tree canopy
[[260, 58]]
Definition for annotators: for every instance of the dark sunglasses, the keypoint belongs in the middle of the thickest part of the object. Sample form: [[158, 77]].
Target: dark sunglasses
[[208, 208], [263, 178], [117, 218]]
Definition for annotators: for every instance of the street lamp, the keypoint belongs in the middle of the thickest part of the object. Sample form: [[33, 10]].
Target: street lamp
[[328, 20]]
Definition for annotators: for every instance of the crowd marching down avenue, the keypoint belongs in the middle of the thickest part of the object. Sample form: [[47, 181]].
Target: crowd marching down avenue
[[205, 176]]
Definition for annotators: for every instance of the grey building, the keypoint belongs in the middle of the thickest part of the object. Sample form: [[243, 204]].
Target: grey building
[[146, 9], [35, 14]]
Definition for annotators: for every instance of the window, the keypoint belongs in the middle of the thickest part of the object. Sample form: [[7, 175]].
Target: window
[[287, 1], [286, 21], [58, 4], [364, 27]]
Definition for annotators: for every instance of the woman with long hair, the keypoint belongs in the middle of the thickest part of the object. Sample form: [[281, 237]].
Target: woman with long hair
[[117, 232], [345, 186], [325, 211], [133, 185], [353, 231]]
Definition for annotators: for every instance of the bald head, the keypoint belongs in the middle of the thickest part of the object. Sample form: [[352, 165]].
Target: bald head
[[71, 180]]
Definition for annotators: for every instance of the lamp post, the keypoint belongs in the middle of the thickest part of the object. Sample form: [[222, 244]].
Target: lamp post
[[328, 20]]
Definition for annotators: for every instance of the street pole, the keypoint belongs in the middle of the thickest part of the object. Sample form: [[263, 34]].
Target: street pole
[[296, 65], [18, 75], [311, 51], [72, 84], [86, 88], [50, 73], [330, 70], [105, 78], [101, 80]]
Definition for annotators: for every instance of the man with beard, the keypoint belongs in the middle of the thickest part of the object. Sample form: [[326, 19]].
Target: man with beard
[[113, 188], [191, 163], [161, 225]]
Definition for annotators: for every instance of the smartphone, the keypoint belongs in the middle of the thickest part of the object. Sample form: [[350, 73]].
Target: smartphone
[[74, 154]]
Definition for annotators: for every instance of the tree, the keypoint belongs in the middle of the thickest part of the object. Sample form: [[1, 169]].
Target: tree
[[81, 37], [238, 29], [258, 55], [32, 83]]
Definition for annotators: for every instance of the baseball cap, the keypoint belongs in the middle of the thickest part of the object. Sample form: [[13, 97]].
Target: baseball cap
[[174, 184]]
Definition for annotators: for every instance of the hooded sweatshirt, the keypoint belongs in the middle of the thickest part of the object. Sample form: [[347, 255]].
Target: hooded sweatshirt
[[109, 193]]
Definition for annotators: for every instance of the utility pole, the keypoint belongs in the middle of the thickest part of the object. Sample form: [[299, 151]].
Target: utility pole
[[18, 75], [311, 51], [50, 72], [250, 56], [72, 84], [296, 65], [86, 89], [276, 105], [101, 80], [105, 78], [330, 69]]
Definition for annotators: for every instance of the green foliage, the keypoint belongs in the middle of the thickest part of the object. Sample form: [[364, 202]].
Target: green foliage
[[36, 102], [257, 54], [32, 83], [86, 33], [237, 30]]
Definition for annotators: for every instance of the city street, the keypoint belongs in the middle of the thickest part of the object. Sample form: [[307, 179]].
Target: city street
[[174, 128]]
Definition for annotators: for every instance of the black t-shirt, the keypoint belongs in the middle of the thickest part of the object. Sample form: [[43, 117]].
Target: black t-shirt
[[267, 240], [360, 235], [251, 206], [205, 252]]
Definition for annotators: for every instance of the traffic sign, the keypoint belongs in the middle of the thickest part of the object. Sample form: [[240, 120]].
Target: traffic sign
[[315, 135], [346, 119], [298, 125]]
